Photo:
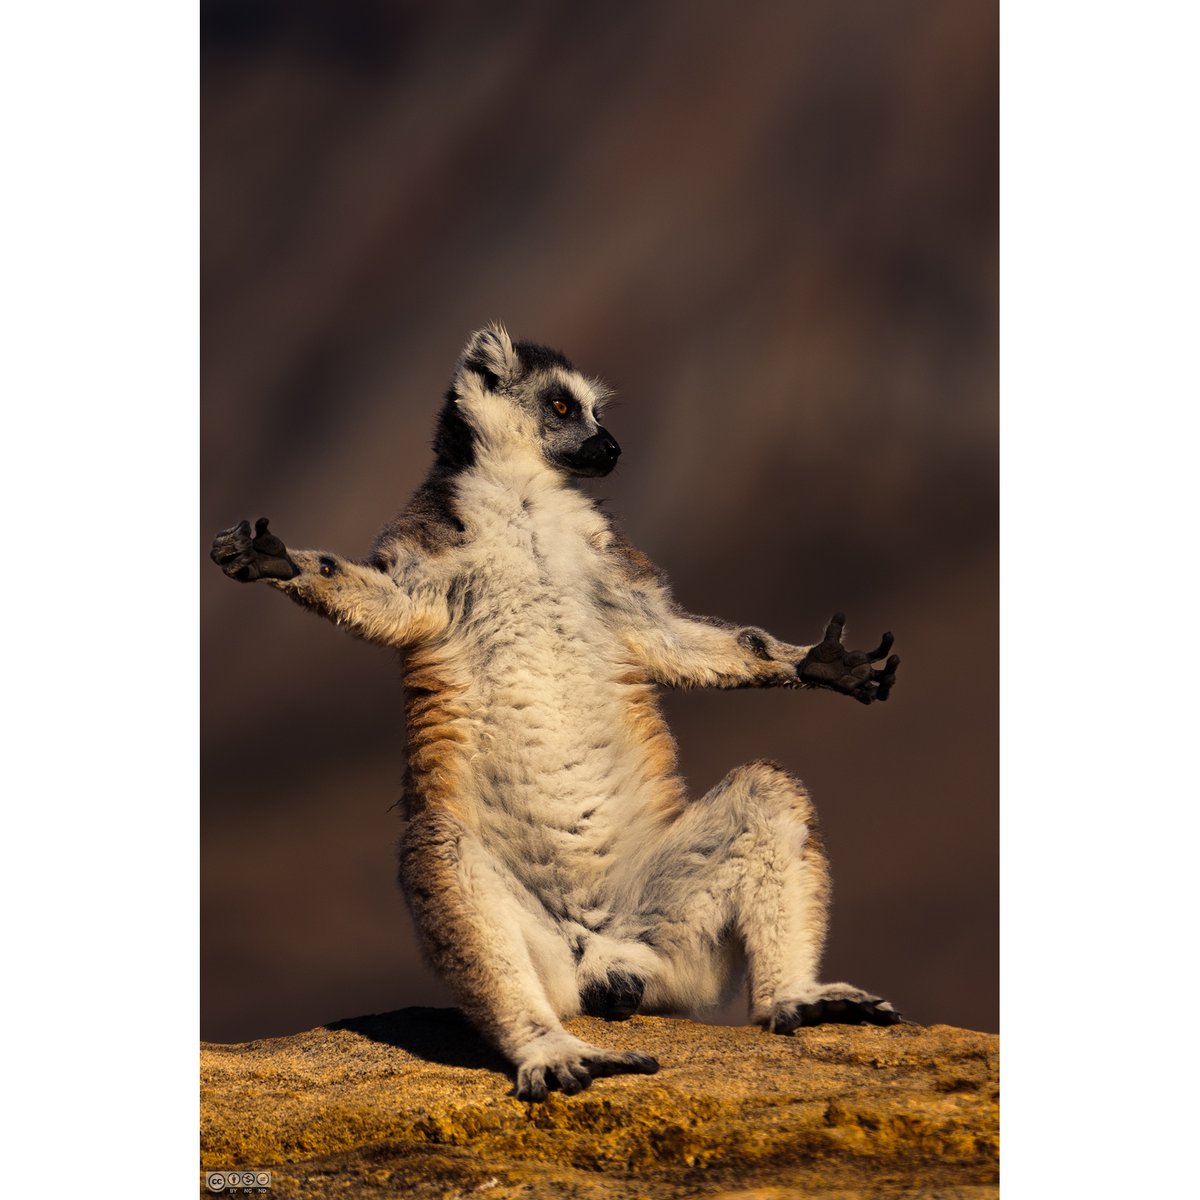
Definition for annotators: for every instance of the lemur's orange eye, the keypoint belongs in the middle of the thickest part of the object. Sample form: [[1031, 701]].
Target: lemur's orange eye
[[561, 407]]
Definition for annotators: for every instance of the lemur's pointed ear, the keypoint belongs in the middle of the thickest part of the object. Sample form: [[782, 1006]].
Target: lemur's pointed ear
[[489, 354]]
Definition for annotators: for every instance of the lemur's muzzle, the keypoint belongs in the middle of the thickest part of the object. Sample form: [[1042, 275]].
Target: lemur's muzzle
[[596, 456]]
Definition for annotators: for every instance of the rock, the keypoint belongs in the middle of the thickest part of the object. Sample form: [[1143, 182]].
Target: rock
[[413, 1103]]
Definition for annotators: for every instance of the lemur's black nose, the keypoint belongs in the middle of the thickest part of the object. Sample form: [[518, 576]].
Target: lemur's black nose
[[608, 447], [596, 455]]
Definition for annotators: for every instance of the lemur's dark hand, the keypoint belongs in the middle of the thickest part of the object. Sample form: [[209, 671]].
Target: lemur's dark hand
[[246, 556], [829, 664]]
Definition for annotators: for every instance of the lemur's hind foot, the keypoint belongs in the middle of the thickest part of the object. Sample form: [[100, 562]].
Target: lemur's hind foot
[[831, 1004], [247, 556], [560, 1061], [615, 999]]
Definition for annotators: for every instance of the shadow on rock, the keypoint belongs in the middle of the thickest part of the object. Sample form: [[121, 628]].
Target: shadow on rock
[[438, 1035]]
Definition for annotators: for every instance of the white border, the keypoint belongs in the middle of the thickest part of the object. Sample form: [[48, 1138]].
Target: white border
[[1099, 326], [99, 106], [100, 112]]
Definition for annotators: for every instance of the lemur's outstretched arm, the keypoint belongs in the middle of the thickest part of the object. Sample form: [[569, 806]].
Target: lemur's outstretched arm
[[365, 600], [687, 651], [682, 650]]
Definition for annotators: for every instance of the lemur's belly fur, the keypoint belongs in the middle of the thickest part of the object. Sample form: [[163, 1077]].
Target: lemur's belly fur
[[573, 757]]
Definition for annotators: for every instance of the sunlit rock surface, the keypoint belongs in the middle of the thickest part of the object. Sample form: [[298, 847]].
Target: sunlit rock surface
[[412, 1103]]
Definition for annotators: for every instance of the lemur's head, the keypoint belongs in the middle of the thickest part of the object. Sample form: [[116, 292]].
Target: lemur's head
[[515, 398]]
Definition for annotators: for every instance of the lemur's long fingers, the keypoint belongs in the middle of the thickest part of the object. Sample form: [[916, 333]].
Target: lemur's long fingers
[[232, 552], [833, 631], [885, 644], [265, 542], [260, 555], [829, 648], [886, 676], [229, 541]]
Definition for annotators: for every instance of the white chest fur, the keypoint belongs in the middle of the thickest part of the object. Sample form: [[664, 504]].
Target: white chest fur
[[553, 774]]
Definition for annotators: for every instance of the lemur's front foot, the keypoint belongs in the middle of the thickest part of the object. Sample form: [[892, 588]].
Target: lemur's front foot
[[831, 1004], [829, 664], [559, 1060], [246, 556]]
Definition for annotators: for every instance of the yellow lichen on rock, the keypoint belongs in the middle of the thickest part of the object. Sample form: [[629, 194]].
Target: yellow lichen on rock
[[412, 1103]]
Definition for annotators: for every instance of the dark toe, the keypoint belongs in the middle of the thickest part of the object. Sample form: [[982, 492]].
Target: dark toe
[[811, 1014], [885, 644], [643, 1064], [632, 1063], [533, 1087], [877, 1015], [785, 1022], [568, 1082]]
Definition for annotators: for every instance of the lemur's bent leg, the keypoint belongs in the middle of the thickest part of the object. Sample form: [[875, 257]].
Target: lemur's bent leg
[[365, 600], [745, 862], [487, 939]]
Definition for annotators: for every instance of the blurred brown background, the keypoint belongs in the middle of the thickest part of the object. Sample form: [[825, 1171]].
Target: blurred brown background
[[773, 228]]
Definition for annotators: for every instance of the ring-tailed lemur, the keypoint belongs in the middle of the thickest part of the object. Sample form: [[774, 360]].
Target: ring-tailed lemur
[[551, 861]]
